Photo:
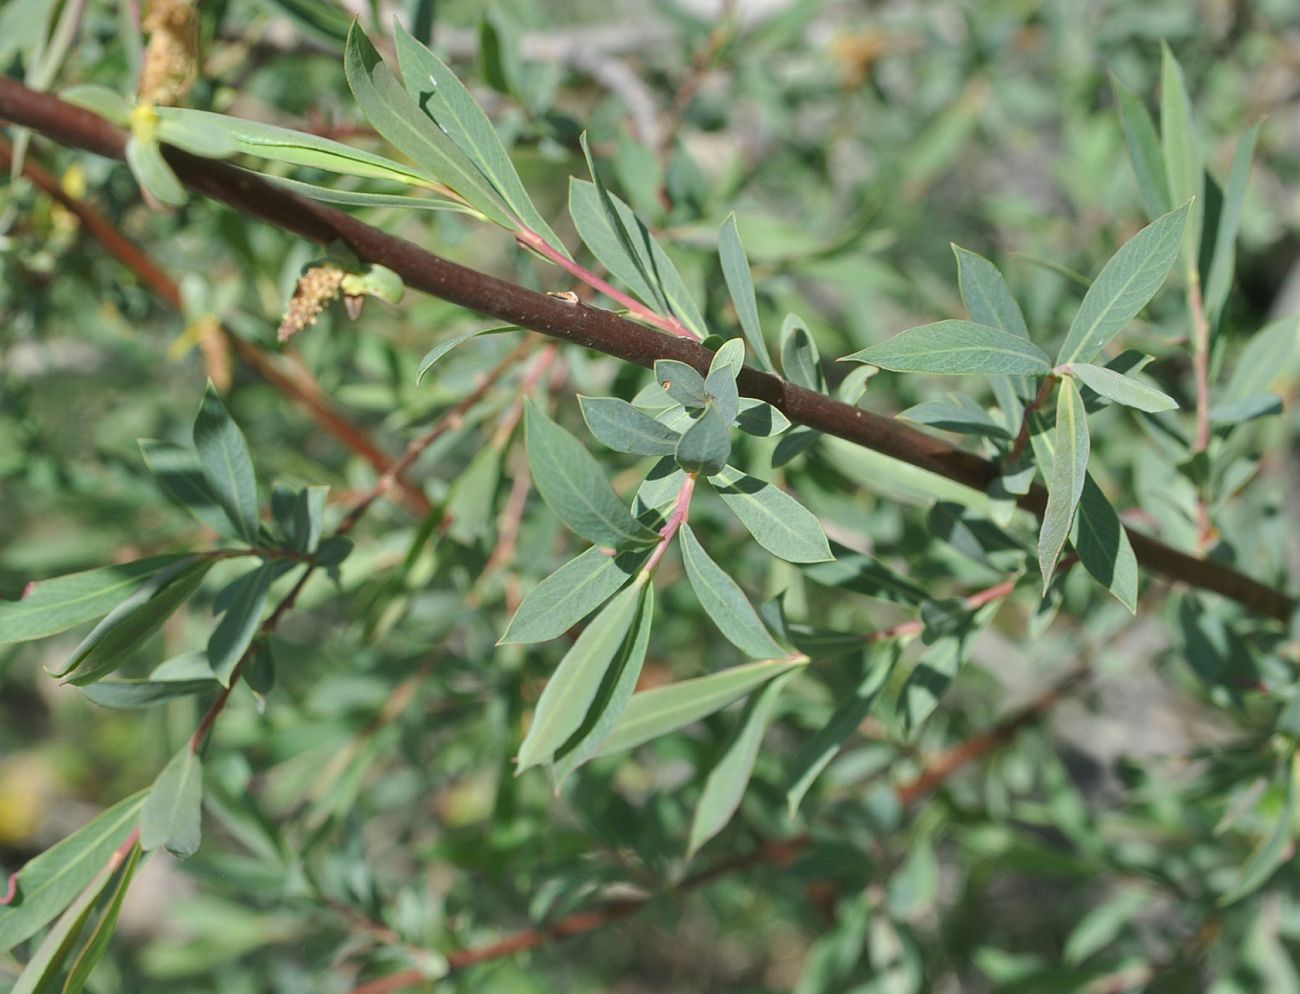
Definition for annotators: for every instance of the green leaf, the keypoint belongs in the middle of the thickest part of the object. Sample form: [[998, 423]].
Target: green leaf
[[435, 88], [238, 626], [50, 881], [726, 782], [800, 360], [1144, 152], [471, 501], [134, 620], [959, 413], [624, 428], [740, 285], [724, 601], [447, 344], [653, 713], [62, 602], [681, 382], [955, 347], [1224, 260], [145, 160], [399, 119], [1184, 161], [570, 594], [576, 682], [180, 475], [1263, 360], [818, 751], [124, 695], [705, 446], [985, 293], [1069, 470], [1103, 924], [755, 417], [930, 679], [1120, 388], [866, 575], [361, 198], [172, 816], [1272, 852], [224, 458], [729, 357], [105, 102], [1098, 536], [93, 951], [778, 522], [193, 137], [1124, 286], [574, 486]]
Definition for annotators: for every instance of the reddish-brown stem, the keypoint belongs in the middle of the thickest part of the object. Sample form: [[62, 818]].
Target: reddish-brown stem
[[592, 328], [673, 525], [1022, 437], [974, 602], [1201, 373]]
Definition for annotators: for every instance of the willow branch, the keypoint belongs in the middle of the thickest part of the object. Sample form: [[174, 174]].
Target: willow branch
[[589, 327]]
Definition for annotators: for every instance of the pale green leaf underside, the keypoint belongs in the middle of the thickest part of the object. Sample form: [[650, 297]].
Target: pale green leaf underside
[[956, 347]]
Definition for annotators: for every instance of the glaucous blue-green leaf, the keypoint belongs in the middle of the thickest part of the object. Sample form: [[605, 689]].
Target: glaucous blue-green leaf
[[800, 360], [726, 782], [724, 601], [1273, 850], [1263, 359], [308, 519], [1070, 447], [730, 355], [959, 413], [721, 387], [94, 948], [1124, 286], [1184, 160], [573, 688], [105, 102], [133, 621], [145, 159], [659, 490], [574, 486], [793, 445], [756, 417], [778, 522], [62, 602], [180, 475], [1144, 152], [1223, 261], [740, 285], [705, 446], [616, 689], [681, 382], [1120, 388], [986, 295], [238, 626], [48, 883], [125, 695], [1239, 412], [956, 347], [570, 594], [439, 93], [1099, 538], [172, 815], [227, 466], [866, 575], [662, 710], [624, 428], [818, 751]]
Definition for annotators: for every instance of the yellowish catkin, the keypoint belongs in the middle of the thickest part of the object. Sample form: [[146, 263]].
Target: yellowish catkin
[[316, 289], [171, 59]]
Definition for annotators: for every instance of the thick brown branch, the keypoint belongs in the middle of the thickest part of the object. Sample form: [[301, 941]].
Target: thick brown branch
[[589, 327]]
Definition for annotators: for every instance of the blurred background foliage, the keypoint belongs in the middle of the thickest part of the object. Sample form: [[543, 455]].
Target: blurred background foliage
[[366, 811]]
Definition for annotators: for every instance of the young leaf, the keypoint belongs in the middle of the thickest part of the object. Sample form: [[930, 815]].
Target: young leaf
[[955, 347], [705, 446], [800, 360], [755, 417], [740, 285], [223, 456], [145, 159], [238, 626], [185, 133], [730, 356], [568, 697], [570, 594], [778, 522], [574, 486], [1144, 152], [62, 602], [1099, 538], [1184, 160], [721, 387], [1224, 260], [985, 293], [724, 601], [100, 99], [681, 382], [1069, 469], [50, 881], [173, 813], [624, 428], [653, 713], [726, 782], [1125, 284], [1121, 389]]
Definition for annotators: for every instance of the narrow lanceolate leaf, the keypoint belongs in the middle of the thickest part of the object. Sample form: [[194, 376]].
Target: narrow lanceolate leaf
[[778, 522], [740, 285], [574, 486], [653, 713], [800, 360], [173, 813], [1263, 360], [955, 347], [1184, 160], [1124, 286], [125, 695], [1099, 538], [62, 602], [234, 633], [1273, 851], [1121, 389], [51, 881], [180, 474], [569, 694], [1069, 469], [1224, 260], [570, 594], [1144, 152], [624, 428], [726, 783], [226, 464], [93, 951], [191, 136], [444, 98], [818, 752], [446, 345], [616, 690], [724, 601], [930, 679], [986, 295], [705, 446]]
